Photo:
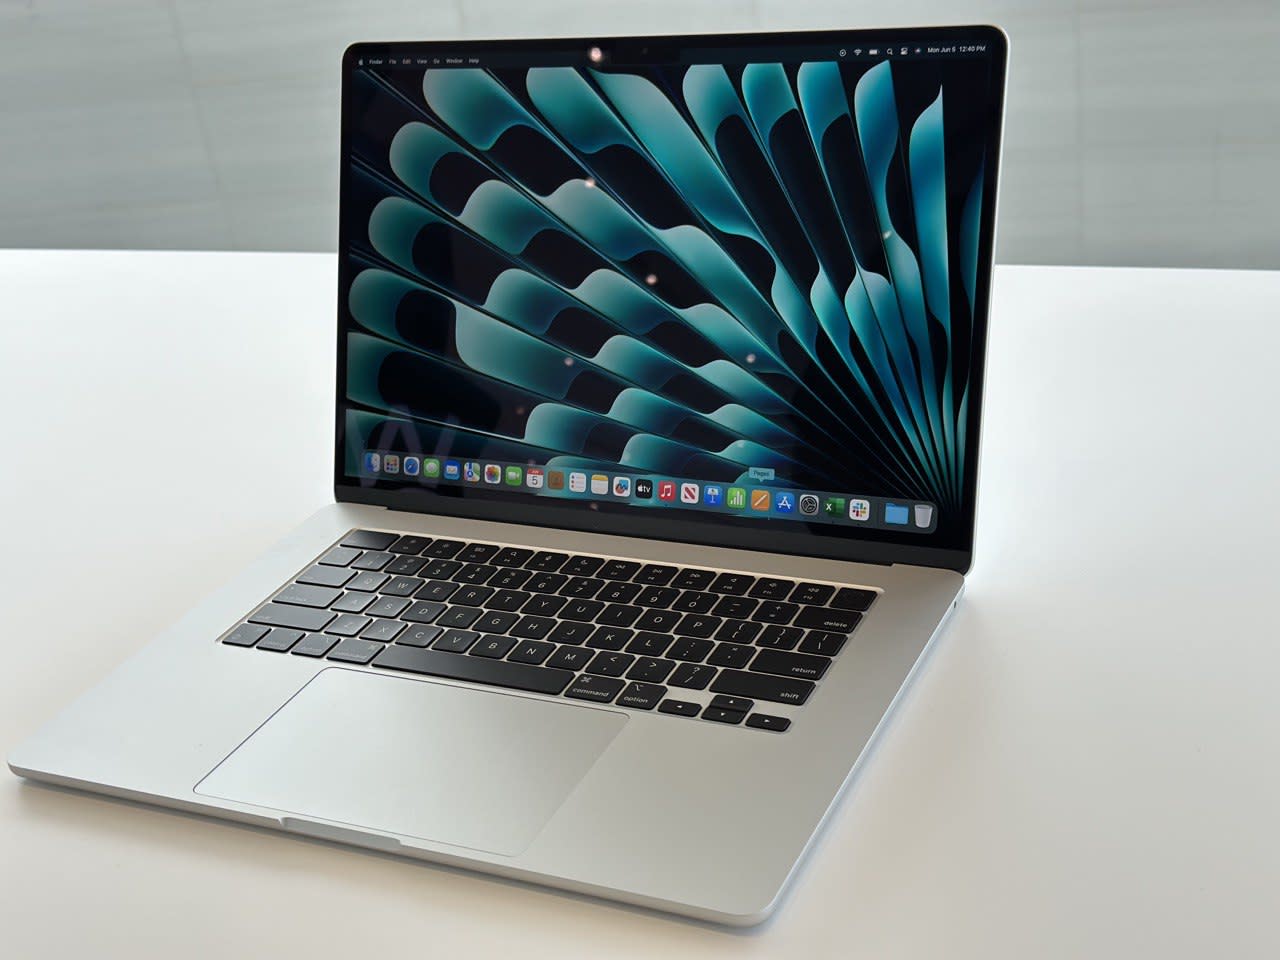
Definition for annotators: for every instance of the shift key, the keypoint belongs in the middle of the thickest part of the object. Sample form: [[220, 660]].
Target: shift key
[[761, 686], [299, 618]]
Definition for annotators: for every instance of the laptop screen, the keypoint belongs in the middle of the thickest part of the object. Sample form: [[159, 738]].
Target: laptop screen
[[714, 285]]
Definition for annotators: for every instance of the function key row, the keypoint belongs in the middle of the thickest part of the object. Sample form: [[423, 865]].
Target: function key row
[[410, 555]]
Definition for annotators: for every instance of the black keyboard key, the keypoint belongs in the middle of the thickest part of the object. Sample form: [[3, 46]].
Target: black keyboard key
[[459, 617], [583, 610], [475, 573], [401, 587], [280, 639], [420, 636], [302, 595], [765, 721], [300, 618], [326, 576], [697, 625], [546, 560], [472, 596], [368, 582], [443, 549], [776, 611], [725, 702], [355, 650], [822, 643], [618, 592], [437, 590], [641, 696], [681, 708], [762, 686], [387, 607], [811, 593], [790, 664], [314, 645], [732, 583], [722, 716], [368, 540], [501, 673], [772, 588], [495, 621], [339, 557], [822, 618], [693, 579], [852, 598], [780, 638], [384, 631], [656, 596], [610, 638], [595, 689], [655, 574], [348, 625], [542, 582], [570, 658], [531, 651], [372, 560], [619, 570], [493, 647], [692, 676], [509, 578], [406, 544], [692, 649], [354, 602], [441, 569], [695, 601], [738, 631], [581, 587], [610, 664], [660, 621], [651, 669], [649, 644], [568, 632], [618, 615], [544, 605], [534, 628], [424, 611], [580, 566], [731, 655], [737, 607], [245, 635], [456, 641], [513, 557], [477, 552], [406, 565]]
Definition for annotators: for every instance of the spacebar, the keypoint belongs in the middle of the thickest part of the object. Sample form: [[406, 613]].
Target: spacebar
[[459, 666]]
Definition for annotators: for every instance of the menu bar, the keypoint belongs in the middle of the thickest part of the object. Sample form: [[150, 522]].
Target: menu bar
[[603, 54]]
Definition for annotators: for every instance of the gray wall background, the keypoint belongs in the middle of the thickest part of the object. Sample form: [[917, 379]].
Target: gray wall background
[[1139, 132]]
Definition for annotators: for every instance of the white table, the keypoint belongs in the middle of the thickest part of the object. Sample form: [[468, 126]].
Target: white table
[[1086, 768]]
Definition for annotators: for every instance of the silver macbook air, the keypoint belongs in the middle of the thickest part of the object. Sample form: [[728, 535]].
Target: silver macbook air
[[659, 385]]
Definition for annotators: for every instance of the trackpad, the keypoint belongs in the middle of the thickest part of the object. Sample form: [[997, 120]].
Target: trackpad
[[460, 766]]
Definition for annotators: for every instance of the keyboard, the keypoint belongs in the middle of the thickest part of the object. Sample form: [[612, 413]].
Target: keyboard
[[598, 629]]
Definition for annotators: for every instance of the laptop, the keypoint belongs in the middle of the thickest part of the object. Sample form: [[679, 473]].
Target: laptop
[[657, 416]]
